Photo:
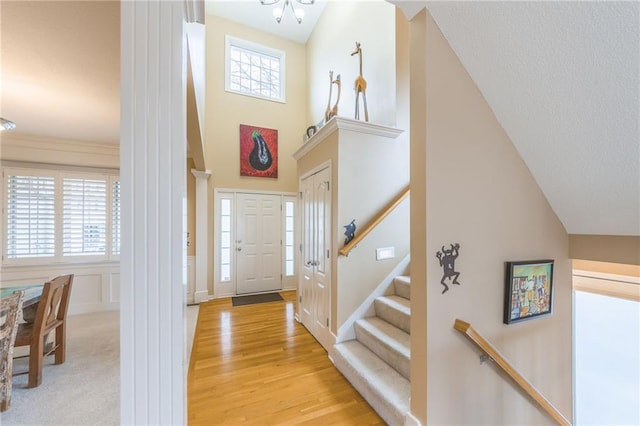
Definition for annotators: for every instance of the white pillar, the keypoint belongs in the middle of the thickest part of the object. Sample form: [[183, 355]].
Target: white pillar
[[153, 174], [201, 293]]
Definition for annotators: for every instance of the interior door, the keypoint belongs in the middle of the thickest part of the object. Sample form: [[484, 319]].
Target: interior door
[[315, 280], [308, 229], [258, 243]]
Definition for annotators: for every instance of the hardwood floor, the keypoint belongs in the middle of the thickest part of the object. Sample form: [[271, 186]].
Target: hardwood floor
[[256, 365]]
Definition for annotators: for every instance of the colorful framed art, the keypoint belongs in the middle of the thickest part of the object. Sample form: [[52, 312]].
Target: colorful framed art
[[258, 151], [528, 290]]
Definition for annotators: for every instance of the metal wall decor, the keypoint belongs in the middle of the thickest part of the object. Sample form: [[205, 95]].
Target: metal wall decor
[[447, 259], [350, 231]]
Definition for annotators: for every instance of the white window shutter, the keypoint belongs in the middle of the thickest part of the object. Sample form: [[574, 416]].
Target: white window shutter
[[30, 216]]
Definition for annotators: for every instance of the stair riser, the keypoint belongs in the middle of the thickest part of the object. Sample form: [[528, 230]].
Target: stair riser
[[391, 414], [402, 288], [388, 354], [393, 316]]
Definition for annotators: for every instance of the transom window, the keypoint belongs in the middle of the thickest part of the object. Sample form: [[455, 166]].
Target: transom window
[[254, 70]]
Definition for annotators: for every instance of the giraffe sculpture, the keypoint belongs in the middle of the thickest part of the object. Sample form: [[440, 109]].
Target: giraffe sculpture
[[332, 111], [360, 87]]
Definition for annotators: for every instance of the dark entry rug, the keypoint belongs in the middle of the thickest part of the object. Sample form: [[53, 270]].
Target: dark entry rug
[[255, 298]]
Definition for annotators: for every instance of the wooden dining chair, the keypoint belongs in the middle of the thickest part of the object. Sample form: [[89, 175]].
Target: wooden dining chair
[[50, 316], [9, 308]]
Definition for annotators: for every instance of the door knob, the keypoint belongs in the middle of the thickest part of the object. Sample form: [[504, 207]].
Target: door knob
[[239, 249]]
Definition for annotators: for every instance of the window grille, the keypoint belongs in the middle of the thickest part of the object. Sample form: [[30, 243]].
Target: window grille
[[254, 70]]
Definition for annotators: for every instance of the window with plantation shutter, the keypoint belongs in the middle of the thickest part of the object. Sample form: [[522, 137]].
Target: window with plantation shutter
[[115, 217], [84, 216], [30, 215]]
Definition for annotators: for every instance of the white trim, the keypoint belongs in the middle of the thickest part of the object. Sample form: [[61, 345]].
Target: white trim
[[29, 148], [259, 49], [201, 292], [342, 123], [313, 171], [346, 331], [411, 420], [222, 288], [604, 276], [96, 287], [153, 249], [228, 288]]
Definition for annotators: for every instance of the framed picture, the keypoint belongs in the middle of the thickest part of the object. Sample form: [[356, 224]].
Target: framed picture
[[528, 290], [258, 151]]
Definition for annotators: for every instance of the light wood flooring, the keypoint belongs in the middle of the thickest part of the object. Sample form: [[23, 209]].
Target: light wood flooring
[[256, 364]]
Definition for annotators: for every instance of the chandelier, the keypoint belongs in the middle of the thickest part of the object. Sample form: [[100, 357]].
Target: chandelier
[[6, 124], [278, 11]]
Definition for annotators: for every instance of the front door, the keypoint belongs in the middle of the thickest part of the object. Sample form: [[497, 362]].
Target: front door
[[315, 280], [258, 243]]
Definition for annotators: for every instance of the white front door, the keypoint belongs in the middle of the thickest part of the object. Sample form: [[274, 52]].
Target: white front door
[[258, 243], [315, 280]]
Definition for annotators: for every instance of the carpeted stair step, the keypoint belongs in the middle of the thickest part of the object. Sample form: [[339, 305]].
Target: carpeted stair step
[[390, 343], [395, 310], [379, 384], [402, 286]]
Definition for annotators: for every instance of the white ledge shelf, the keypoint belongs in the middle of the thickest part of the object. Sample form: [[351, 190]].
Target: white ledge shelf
[[341, 123]]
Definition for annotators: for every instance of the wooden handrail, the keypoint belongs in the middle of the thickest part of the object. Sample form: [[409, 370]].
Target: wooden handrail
[[344, 251], [489, 350]]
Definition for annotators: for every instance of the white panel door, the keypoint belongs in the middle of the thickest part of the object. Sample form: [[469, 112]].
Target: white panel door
[[258, 243], [315, 280], [307, 270]]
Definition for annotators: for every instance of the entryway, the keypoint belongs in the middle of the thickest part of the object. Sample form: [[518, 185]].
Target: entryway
[[254, 242]]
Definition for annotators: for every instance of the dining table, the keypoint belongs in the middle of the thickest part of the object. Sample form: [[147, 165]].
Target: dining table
[[32, 294]]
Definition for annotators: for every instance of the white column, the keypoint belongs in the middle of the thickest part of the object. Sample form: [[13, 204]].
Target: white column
[[201, 293], [153, 173]]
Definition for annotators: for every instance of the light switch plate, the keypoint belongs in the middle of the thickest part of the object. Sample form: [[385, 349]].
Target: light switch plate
[[385, 253]]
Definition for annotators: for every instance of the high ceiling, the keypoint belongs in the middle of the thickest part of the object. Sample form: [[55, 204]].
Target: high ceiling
[[563, 79], [254, 14]]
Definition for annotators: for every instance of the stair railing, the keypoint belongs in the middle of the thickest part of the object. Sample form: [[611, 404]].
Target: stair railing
[[490, 351], [344, 251]]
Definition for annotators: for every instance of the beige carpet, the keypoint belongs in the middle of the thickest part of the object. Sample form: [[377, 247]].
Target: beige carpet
[[85, 390]]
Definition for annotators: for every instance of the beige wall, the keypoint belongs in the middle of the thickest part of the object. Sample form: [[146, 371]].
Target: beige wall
[[480, 194], [191, 209], [226, 111], [329, 48], [605, 248]]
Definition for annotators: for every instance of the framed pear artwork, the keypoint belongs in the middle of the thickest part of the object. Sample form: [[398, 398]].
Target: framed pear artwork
[[258, 151]]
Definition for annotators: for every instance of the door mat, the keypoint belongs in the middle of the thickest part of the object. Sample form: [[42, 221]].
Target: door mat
[[256, 298]]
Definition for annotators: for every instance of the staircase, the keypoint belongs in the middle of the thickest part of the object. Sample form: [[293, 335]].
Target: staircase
[[377, 362]]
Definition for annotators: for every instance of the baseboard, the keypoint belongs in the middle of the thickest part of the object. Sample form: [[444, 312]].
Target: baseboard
[[346, 331], [201, 296], [411, 420]]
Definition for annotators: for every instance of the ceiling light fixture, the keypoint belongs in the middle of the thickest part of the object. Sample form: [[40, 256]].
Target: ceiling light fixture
[[6, 124], [278, 11]]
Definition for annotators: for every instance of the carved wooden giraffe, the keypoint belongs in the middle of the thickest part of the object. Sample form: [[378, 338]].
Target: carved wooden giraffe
[[360, 87], [332, 111]]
